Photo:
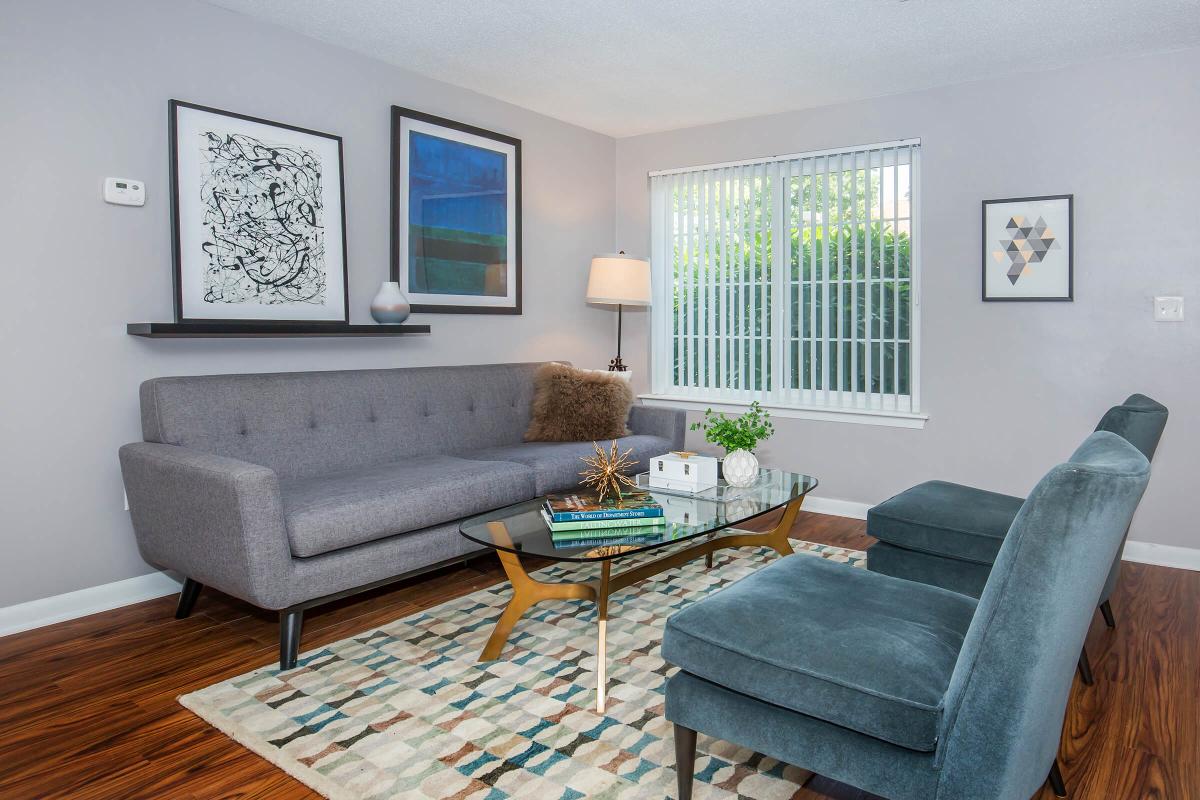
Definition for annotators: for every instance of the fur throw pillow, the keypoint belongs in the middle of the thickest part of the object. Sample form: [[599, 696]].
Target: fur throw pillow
[[578, 405]]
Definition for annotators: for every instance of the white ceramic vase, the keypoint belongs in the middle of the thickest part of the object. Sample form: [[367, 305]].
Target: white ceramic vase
[[740, 468], [390, 306]]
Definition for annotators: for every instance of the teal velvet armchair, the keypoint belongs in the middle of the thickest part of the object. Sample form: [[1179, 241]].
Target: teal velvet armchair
[[906, 690], [948, 535]]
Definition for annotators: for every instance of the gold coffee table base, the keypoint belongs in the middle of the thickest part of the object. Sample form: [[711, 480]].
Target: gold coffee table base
[[528, 592]]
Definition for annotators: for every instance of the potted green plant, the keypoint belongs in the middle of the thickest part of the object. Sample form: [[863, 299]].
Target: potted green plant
[[738, 436]]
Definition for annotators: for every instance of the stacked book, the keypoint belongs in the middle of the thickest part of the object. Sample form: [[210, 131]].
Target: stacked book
[[581, 520]]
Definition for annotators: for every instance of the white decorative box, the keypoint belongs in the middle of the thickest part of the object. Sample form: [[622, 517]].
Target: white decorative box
[[683, 471]]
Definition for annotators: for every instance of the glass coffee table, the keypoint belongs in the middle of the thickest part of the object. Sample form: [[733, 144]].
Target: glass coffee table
[[707, 523]]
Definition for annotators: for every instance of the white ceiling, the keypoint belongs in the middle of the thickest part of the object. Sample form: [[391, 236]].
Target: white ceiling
[[624, 67]]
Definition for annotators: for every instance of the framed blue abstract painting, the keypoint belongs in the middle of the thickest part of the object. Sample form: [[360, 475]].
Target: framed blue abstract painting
[[456, 215]]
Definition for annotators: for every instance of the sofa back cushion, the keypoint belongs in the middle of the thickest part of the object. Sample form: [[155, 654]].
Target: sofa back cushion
[[302, 424]]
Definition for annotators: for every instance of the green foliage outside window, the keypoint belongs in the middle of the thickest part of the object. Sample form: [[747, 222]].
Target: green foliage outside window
[[834, 253]]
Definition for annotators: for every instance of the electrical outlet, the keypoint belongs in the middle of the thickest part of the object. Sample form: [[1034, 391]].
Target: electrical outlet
[[1168, 309]]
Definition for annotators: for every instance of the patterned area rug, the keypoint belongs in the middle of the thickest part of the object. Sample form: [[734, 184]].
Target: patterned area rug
[[406, 711]]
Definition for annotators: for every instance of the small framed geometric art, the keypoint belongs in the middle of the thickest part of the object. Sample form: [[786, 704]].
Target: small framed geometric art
[[456, 215], [1027, 243], [258, 220]]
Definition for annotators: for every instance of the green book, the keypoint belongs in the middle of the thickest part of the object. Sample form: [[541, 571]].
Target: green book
[[594, 524], [644, 532], [575, 544]]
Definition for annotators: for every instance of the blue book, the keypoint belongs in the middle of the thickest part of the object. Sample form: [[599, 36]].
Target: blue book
[[583, 506]]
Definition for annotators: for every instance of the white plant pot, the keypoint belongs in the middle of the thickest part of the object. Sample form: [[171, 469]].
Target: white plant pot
[[390, 306], [740, 468]]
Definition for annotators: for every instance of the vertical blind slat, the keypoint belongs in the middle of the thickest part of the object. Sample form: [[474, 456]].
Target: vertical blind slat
[[722, 281], [764, 312], [687, 284], [780, 289], [896, 277], [854, 383], [869, 287], [703, 308], [714, 380], [741, 269], [814, 384], [841, 275], [677, 265], [751, 275], [914, 286], [882, 281], [825, 286]]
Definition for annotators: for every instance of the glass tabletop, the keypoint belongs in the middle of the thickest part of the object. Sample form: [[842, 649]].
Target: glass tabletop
[[522, 528]]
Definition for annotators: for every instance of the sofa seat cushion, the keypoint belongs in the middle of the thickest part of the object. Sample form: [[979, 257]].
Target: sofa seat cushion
[[946, 519], [361, 505], [865, 651], [557, 465]]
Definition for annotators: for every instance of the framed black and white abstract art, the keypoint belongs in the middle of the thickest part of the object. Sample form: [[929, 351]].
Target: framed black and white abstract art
[[258, 215], [1027, 244], [456, 215]]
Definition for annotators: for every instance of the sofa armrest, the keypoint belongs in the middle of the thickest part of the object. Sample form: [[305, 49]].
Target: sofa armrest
[[669, 423], [217, 520]]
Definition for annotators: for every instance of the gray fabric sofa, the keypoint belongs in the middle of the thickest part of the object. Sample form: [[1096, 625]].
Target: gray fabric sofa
[[289, 490]]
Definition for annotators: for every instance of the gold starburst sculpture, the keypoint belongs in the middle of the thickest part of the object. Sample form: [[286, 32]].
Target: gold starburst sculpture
[[605, 476]]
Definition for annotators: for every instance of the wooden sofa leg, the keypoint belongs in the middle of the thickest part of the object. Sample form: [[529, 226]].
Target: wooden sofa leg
[[290, 622], [1056, 782], [685, 760], [1106, 610], [187, 598]]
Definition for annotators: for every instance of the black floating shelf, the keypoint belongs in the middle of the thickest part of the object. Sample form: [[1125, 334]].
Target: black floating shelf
[[237, 330]]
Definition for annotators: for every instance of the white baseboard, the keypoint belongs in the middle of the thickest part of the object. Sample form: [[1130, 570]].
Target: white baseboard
[[62, 607], [835, 508], [1162, 555]]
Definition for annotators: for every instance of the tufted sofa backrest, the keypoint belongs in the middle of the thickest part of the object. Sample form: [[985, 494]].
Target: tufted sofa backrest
[[302, 424]]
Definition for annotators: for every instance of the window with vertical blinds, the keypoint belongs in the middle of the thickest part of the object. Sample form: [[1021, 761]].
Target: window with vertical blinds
[[792, 281]]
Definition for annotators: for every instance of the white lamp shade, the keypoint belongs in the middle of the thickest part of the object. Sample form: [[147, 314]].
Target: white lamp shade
[[618, 278]]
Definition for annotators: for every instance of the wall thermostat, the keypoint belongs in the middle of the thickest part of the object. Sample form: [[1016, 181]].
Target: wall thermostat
[[125, 191]]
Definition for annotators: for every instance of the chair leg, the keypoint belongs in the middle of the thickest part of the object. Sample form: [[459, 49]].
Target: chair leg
[[1085, 668], [187, 598], [1056, 782], [1106, 610], [685, 760], [290, 622]]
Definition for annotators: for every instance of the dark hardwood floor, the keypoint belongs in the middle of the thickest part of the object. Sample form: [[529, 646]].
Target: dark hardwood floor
[[88, 710]]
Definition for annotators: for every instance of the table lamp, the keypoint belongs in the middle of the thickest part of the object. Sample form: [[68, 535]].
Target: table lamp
[[620, 280]]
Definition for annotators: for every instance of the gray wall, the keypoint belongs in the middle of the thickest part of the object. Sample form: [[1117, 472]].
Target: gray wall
[[84, 95], [1010, 388]]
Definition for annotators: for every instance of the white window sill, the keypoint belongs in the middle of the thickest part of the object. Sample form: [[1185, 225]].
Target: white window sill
[[890, 419]]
